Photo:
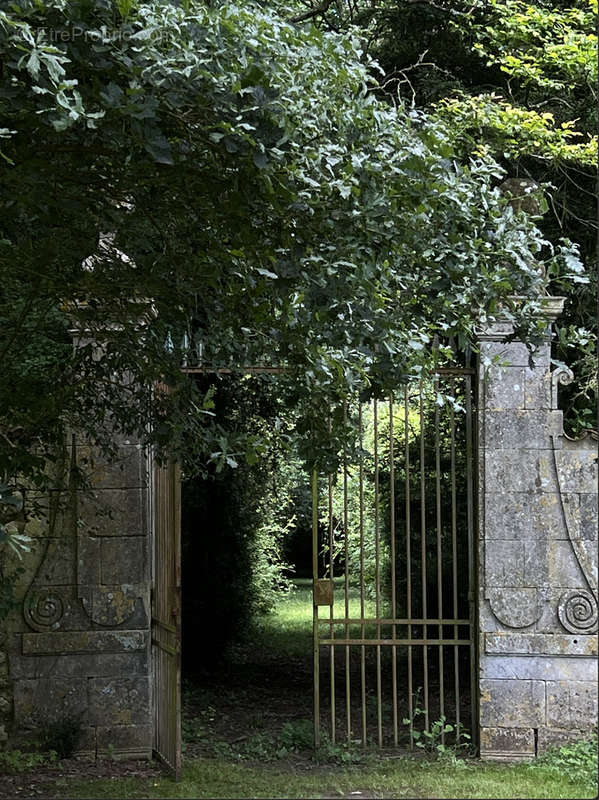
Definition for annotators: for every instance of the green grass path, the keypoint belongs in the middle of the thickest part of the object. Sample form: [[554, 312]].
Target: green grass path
[[397, 778]]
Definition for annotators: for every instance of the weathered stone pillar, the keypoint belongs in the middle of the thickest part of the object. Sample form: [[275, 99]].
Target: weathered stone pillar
[[537, 555], [79, 645], [79, 650]]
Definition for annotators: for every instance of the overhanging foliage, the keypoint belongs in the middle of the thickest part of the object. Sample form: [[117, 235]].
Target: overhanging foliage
[[236, 178]]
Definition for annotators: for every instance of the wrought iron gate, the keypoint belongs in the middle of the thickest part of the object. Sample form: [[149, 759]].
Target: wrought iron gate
[[166, 617], [394, 573]]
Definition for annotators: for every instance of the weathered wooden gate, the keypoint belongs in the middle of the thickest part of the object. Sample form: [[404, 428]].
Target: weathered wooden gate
[[166, 616], [394, 573]]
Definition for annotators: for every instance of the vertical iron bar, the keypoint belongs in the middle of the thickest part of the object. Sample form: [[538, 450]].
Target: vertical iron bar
[[164, 616], [163, 664], [331, 614], [439, 555], [471, 563], [362, 590], [408, 561], [316, 645], [178, 643], [379, 705], [346, 543], [159, 602], [423, 555], [169, 578], [454, 556], [393, 597], [153, 527]]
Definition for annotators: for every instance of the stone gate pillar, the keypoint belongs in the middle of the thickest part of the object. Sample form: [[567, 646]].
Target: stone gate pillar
[[79, 640], [79, 645], [537, 555]]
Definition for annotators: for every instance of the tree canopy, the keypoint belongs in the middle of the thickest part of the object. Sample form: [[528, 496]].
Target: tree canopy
[[518, 81], [223, 176]]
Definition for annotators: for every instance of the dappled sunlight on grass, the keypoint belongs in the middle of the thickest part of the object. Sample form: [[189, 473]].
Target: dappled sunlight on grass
[[288, 629]]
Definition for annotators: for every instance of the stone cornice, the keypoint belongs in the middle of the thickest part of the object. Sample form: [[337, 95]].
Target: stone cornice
[[501, 329]]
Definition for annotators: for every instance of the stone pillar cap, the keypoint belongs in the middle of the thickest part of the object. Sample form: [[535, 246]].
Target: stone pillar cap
[[552, 307], [501, 328]]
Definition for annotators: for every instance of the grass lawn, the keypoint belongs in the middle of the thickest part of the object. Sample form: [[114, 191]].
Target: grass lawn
[[247, 734], [397, 778]]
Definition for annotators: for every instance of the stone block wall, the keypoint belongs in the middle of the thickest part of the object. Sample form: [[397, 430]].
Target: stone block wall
[[80, 645], [537, 559]]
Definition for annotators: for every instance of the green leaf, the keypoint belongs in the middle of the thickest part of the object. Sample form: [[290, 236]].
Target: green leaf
[[160, 149], [261, 160], [33, 64]]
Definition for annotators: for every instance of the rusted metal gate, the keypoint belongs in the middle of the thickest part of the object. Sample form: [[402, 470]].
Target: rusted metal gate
[[394, 573], [166, 617]]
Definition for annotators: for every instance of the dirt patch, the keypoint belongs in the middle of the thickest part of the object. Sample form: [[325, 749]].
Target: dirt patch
[[50, 781]]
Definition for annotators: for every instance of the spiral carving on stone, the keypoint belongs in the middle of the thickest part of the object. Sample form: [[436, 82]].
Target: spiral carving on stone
[[43, 609], [577, 611], [562, 375]]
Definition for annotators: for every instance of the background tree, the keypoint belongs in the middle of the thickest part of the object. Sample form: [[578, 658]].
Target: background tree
[[516, 80]]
